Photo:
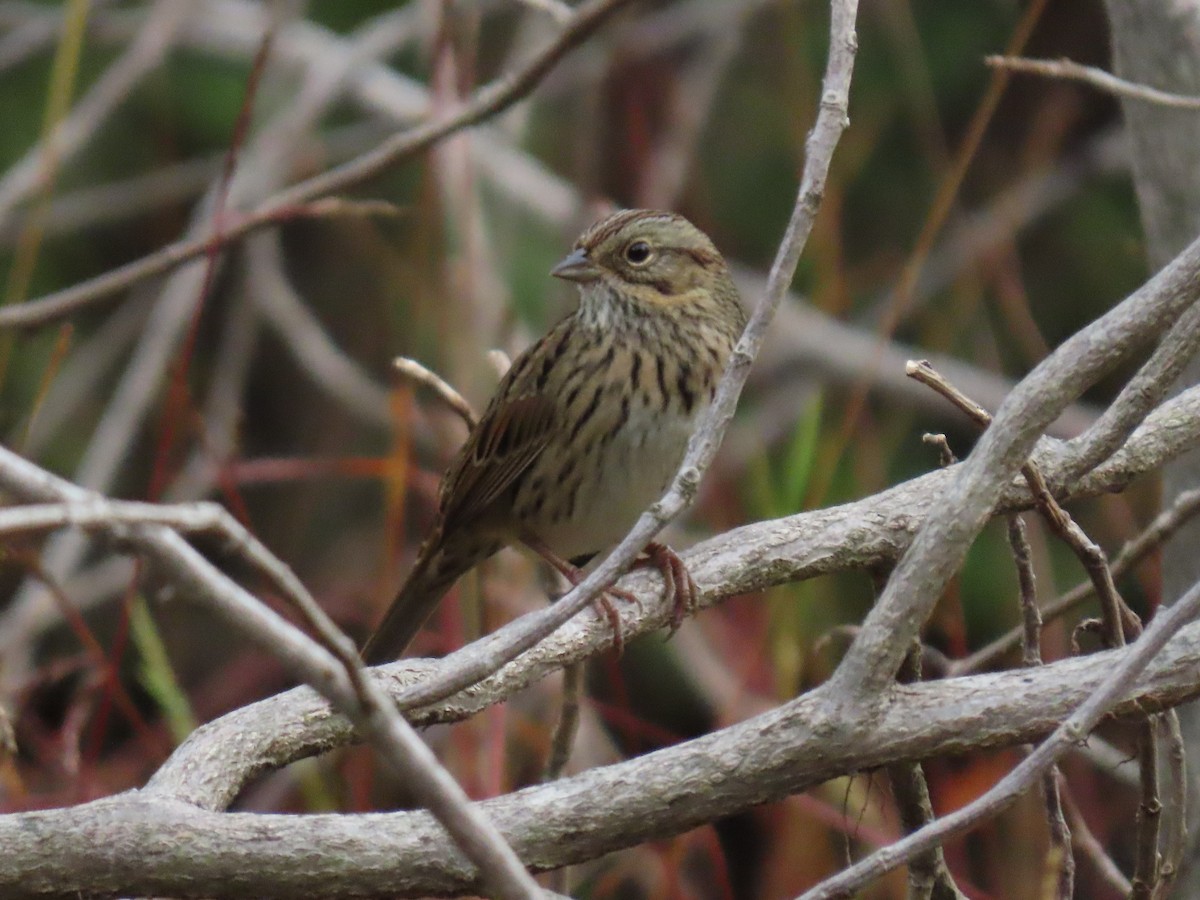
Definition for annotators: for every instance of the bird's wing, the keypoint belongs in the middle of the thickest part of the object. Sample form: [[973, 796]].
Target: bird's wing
[[509, 437]]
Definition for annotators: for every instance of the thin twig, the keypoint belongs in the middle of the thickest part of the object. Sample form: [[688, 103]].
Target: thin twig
[[1142, 393], [1175, 797], [1030, 770], [487, 101], [997, 455], [1031, 619], [568, 723], [1091, 848], [1149, 815], [1165, 524], [928, 874], [1072, 71], [114, 85], [561, 742], [1118, 617], [413, 371], [946, 455], [333, 669], [979, 484], [1060, 857]]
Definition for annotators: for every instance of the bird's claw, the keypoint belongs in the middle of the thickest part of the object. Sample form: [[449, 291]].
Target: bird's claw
[[680, 589]]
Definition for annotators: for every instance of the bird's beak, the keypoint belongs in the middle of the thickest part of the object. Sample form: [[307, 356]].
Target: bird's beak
[[576, 266]]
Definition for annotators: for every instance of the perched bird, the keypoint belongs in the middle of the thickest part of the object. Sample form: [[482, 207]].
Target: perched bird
[[589, 425]]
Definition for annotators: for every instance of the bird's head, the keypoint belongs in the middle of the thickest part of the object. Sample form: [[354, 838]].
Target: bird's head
[[655, 262]]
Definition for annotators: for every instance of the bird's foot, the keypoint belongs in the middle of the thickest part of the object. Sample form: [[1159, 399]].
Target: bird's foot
[[602, 604], [680, 591]]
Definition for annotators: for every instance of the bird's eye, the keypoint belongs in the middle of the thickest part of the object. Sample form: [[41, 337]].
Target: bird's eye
[[638, 253]]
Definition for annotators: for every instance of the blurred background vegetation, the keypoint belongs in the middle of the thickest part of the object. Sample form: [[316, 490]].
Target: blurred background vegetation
[[968, 214]]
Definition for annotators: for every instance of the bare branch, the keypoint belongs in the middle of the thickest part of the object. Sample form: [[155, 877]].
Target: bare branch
[[1059, 854], [568, 722], [1118, 617], [1092, 849], [413, 371], [918, 579], [928, 874], [488, 101], [788, 749], [865, 534], [1019, 707], [1097, 78], [1142, 393], [1074, 729], [1149, 815], [1165, 524], [333, 669], [72, 133], [1175, 806]]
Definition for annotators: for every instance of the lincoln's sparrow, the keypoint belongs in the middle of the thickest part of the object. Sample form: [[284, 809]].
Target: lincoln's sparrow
[[589, 425]]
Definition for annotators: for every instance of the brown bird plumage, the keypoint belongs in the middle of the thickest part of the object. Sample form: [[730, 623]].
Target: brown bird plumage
[[590, 423]]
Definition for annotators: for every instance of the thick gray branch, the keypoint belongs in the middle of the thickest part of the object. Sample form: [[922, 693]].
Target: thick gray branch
[[1158, 44], [148, 844], [213, 765], [970, 498]]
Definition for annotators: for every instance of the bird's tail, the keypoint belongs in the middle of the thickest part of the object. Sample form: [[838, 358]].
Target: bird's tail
[[437, 567]]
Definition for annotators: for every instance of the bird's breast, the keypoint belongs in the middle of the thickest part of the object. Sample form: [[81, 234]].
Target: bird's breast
[[583, 495]]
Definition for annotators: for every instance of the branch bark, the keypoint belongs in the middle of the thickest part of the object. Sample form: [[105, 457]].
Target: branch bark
[[156, 842], [1158, 44], [216, 762], [970, 499]]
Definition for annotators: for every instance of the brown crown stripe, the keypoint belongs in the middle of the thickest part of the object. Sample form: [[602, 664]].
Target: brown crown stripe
[[603, 230]]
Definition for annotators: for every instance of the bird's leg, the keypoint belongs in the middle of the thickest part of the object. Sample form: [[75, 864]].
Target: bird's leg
[[681, 590], [602, 604]]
